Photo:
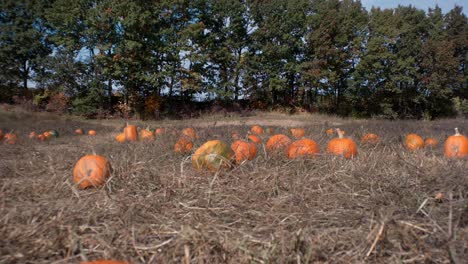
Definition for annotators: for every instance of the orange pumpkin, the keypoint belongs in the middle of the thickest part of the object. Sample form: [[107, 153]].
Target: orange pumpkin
[[91, 171], [146, 135], [190, 133], [370, 138], [298, 133], [329, 131], [160, 131], [342, 146], [213, 155], [41, 137], [244, 150], [131, 133], [414, 142], [11, 138], [278, 143], [120, 138], [256, 130], [104, 262], [431, 142], [32, 135], [255, 139], [456, 145], [92, 132], [47, 134], [183, 145], [79, 131], [303, 148]]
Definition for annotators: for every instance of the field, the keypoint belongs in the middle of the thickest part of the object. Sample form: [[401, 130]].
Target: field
[[376, 208]]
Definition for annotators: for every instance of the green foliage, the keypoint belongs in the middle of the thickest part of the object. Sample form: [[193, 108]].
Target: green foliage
[[330, 55]]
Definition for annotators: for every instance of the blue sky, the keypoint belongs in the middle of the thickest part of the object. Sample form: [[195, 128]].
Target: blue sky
[[446, 5]]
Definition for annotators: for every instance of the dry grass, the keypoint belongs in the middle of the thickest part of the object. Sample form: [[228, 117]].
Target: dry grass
[[377, 208]]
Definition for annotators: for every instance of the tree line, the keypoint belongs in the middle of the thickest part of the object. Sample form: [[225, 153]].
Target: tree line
[[148, 57]]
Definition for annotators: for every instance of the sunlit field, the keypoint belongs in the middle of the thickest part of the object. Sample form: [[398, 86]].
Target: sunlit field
[[386, 205]]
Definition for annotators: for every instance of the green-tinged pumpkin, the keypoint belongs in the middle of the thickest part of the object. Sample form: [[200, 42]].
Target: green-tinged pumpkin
[[146, 135], [54, 133], [213, 155]]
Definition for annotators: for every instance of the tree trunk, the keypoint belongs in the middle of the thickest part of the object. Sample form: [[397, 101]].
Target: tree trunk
[[25, 76], [109, 93]]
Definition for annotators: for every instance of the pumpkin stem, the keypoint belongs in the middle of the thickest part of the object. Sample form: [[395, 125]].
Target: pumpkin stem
[[340, 133], [457, 133]]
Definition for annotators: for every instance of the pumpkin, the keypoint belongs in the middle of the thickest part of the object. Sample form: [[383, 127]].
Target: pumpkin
[[32, 135], [160, 131], [439, 196], [104, 262], [41, 137], [244, 150], [270, 131], [370, 138], [303, 148], [146, 134], [213, 155], [92, 132], [120, 138], [255, 139], [190, 133], [414, 142], [91, 171], [131, 133], [79, 131], [256, 130], [54, 133], [455, 145], [329, 131], [342, 146], [47, 134], [298, 133], [183, 145], [431, 142], [278, 143], [11, 138]]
